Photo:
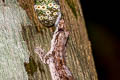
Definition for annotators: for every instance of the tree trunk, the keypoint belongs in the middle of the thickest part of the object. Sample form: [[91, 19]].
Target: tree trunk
[[21, 32]]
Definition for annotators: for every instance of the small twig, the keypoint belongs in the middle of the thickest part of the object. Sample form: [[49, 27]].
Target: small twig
[[55, 57], [41, 54]]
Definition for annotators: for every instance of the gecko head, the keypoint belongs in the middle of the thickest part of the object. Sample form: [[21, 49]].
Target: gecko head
[[47, 11]]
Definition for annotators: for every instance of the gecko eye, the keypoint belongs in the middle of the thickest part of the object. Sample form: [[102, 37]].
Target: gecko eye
[[47, 11]]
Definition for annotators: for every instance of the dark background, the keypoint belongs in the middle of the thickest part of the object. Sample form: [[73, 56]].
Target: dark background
[[104, 34]]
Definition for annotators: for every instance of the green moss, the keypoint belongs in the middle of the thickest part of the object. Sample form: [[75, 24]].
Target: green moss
[[30, 67], [72, 6]]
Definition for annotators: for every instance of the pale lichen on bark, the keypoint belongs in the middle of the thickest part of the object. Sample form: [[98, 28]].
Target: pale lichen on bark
[[55, 57], [13, 49]]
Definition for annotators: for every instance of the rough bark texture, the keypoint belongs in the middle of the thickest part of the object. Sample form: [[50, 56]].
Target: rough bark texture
[[79, 56], [13, 49]]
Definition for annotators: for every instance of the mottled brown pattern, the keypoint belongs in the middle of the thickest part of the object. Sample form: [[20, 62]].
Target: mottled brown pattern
[[59, 56], [56, 56]]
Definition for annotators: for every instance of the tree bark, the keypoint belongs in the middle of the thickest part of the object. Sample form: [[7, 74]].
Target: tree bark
[[21, 32]]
